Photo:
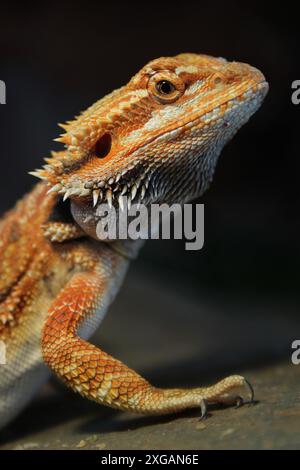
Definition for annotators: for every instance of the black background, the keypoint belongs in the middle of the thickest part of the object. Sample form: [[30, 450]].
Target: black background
[[58, 58]]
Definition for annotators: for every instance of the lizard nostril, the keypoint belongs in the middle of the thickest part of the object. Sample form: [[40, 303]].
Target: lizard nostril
[[103, 146]]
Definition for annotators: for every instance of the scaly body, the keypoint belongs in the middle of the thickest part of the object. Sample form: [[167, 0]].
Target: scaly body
[[155, 140]]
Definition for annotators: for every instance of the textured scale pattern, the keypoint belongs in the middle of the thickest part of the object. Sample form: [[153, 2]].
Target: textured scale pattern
[[152, 143]]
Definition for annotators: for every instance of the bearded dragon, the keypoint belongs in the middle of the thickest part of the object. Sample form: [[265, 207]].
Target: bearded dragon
[[155, 140]]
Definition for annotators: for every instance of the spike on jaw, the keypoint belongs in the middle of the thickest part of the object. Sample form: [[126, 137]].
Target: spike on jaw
[[96, 194], [143, 192], [54, 154], [109, 198], [54, 189], [67, 194], [65, 127], [64, 139], [133, 191], [38, 174], [34, 173], [121, 202], [124, 190]]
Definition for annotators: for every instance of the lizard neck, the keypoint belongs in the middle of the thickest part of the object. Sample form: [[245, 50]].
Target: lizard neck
[[129, 249]]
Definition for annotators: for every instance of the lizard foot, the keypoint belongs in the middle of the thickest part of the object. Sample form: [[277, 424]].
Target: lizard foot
[[227, 397]]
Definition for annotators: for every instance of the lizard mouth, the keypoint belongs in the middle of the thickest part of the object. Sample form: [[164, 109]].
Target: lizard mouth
[[130, 185]]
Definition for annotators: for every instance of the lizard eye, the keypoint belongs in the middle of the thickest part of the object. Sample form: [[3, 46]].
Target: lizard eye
[[166, 87]]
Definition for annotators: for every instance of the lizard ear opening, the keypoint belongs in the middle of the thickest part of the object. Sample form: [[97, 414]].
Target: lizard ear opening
[[103, 146]]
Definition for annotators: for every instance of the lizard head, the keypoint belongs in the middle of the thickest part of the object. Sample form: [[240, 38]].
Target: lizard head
[[158, 138]]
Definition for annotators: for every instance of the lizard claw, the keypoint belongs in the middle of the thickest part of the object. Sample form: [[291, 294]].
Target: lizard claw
[[239, 402], [204, 413], [250, 390]]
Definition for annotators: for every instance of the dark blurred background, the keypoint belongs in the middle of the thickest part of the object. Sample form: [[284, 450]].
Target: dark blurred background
[[234, 304], [58, 58]]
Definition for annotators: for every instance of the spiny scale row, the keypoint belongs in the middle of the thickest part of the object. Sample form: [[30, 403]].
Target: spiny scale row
[[104, 191]]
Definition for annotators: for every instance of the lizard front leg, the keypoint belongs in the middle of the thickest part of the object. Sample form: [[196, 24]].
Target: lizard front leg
[[98, 376]]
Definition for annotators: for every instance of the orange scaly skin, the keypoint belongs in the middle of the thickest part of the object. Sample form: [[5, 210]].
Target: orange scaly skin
[[155, 140]]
